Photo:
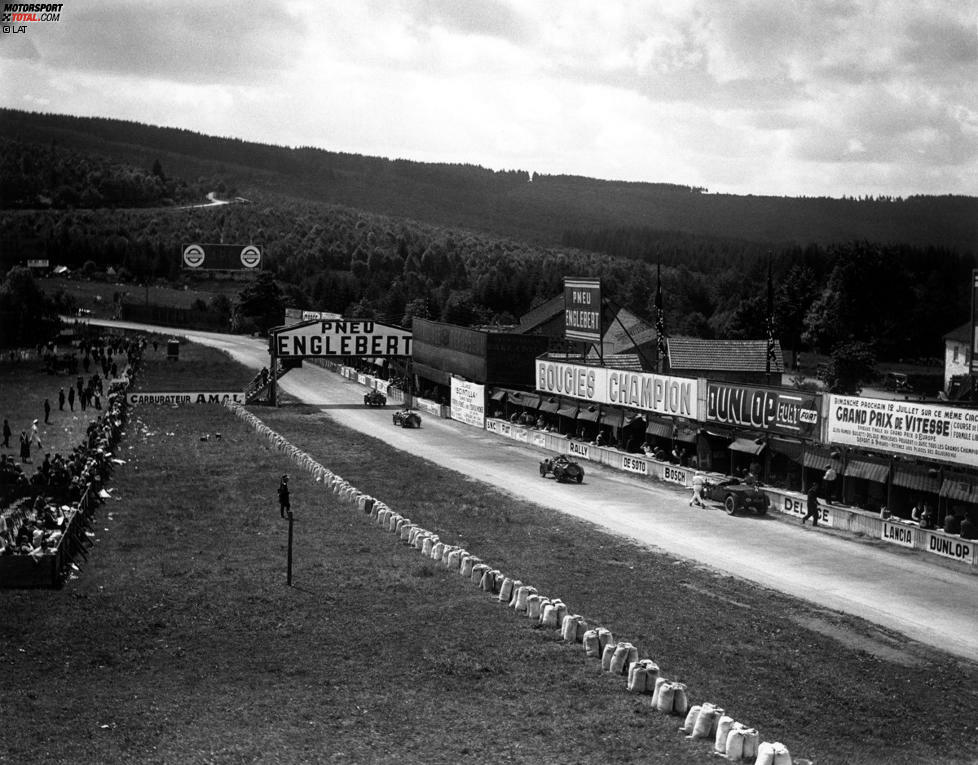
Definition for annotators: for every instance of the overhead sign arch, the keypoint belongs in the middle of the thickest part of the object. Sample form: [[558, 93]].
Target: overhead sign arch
[[339, 337]]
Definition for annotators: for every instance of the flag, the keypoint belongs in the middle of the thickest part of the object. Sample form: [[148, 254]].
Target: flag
[[772, 355], [660, 319]]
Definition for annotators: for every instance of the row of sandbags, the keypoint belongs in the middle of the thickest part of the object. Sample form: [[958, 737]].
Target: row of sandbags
[[731, 739]]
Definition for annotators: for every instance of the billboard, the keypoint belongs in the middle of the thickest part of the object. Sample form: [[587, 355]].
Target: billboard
[[905, 427], [792, 413], [651, 392], [221, 257], [468, 403], [339, 337], [582, 309], [974, 322]]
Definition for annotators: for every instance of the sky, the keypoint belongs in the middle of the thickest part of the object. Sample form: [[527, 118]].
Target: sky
[[784, 97]]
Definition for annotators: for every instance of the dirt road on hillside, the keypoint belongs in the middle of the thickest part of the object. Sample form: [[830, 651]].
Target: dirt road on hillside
[[902, 591]]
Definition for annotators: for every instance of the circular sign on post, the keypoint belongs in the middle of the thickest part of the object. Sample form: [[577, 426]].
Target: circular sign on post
[[193, 256], [250, 256]]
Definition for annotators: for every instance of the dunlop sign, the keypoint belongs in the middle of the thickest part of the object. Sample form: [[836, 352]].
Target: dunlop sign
[[340, 337], [661, 394]]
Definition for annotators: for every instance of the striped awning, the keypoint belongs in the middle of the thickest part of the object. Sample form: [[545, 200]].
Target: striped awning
[[817, 457], [612, 416], [635, 419], [550, 404], [589, 414], [686, 434], [961, 487], [526, 400], [659, 428], [917, 479], [868, 471], [747, 446], [499, 394]]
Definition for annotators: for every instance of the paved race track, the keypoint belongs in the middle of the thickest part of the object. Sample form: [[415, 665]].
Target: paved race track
[[903, 591]]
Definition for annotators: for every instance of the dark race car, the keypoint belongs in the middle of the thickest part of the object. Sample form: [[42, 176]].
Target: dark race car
[[407, 418], [374, 398], [737, 496], [562, 469]]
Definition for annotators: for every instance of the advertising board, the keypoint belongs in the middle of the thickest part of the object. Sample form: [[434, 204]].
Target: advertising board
[[648, 391], [468, 402], [927, 431], [793, 413], [582, 309]]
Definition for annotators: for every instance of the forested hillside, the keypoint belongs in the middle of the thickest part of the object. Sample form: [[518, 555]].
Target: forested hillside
[[515, 203], [454, 251]]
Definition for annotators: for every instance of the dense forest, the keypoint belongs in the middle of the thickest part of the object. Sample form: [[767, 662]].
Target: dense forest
[[96, 194]]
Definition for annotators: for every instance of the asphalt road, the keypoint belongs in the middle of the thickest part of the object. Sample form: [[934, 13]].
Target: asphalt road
[[904, 591]]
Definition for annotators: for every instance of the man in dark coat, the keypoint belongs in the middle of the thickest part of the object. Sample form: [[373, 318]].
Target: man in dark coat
[[285, 508], [812, 505], [7, 433]]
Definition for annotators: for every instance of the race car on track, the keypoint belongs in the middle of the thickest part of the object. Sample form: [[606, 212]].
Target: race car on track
[[374, 398], [562, 468], [407, 418], [737, 495]]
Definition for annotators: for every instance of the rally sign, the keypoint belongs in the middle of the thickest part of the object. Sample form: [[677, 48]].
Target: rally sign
[[468, 403], [905, 427], [178, 398], [790, 412], [340, 337], [651, 392]]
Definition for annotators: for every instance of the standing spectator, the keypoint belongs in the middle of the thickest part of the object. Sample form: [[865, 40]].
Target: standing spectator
[[7, 433], [284, 506], [812, 505], [47, 412], [71, 398], [829, 480], [698, 481], [61, 399], [25, 447], [35, 437]]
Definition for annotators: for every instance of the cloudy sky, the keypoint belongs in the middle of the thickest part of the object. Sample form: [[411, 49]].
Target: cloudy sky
[[794, 97]]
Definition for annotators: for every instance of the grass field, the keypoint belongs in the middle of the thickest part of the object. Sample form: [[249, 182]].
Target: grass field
[[180, 642]]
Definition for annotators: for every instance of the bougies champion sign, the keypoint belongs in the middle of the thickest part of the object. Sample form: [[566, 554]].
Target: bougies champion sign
[[905, 427], [778, 411], [340, 337], [661, 394]]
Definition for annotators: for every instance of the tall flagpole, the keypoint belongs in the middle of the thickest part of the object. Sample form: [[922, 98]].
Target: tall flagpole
[[660, 321], [771, 353]]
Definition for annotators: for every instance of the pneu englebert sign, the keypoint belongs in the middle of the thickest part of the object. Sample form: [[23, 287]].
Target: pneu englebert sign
[[582, 309], [905, 427], [340, 337]]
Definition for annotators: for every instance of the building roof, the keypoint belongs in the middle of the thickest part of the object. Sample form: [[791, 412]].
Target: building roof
[[624, 332], [960, 334], [722, 355]]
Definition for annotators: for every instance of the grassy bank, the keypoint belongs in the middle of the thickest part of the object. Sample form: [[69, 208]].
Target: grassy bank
[[179, 641]]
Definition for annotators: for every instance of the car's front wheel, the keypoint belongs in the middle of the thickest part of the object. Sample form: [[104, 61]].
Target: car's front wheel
[[730, 504]]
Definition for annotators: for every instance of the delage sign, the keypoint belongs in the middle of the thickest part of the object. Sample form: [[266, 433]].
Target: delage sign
[[340, 337]]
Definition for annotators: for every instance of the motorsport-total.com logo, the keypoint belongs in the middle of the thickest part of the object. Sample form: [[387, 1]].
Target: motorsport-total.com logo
[[17, 17]]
